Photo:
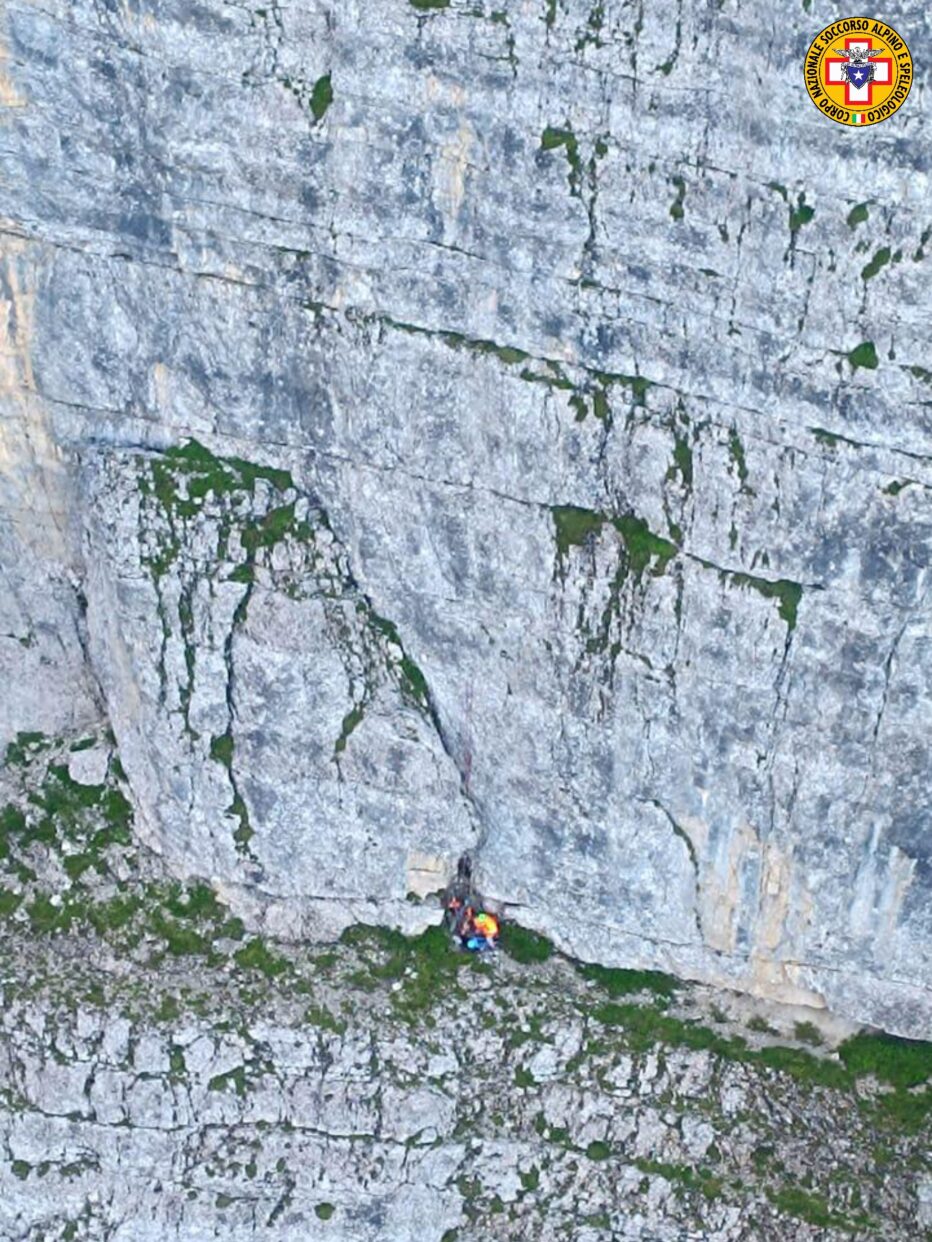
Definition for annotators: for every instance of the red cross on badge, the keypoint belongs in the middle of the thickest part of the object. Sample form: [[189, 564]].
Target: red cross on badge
[[857, 78]]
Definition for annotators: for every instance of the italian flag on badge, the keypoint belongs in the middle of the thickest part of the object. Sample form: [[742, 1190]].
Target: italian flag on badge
[[857, 118]]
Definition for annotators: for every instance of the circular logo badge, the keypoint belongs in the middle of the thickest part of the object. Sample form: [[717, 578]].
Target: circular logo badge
[[858, 71]]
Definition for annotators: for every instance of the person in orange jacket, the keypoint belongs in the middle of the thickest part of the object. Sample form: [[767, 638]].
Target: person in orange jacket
[[472, 927]]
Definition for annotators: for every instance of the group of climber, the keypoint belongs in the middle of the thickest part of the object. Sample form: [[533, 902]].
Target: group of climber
[[472, 927]]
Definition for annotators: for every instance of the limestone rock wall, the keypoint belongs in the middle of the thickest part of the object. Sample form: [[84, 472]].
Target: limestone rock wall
[[577, 373], [331, 1103]]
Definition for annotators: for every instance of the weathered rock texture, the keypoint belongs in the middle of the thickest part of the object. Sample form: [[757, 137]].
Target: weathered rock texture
[[134, 1128], [563, 385], [166, 1076]]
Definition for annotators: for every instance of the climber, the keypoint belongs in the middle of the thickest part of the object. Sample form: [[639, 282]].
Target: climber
[[471, 926], [481, 932]]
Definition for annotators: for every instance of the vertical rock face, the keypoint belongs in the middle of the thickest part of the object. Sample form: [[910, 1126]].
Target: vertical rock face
[[556, 480], [46, 683], [275, 730]]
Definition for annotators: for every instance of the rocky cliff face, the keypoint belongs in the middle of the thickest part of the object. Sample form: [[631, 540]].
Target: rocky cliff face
[[165, 1075], [431, 426]]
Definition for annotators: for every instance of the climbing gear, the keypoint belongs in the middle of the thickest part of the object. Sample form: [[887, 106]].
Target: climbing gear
[[482, 933], [471, 926]]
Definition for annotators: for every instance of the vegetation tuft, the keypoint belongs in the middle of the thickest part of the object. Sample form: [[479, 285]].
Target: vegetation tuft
[[788, 594], [619, 982], [525, 946], [863, 355], [643, 545], [902, 1063], [256, 956], [555, 137], [321, 96]]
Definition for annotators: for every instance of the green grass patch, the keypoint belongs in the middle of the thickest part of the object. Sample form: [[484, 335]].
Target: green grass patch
[[900, 1062], [221, 749], [858, 215], [637, 385], [801, 214], [267, 531], [204, 474], [66, 811], [701, 1180], [510, 355], [806, 1206], [12, 826], [256, 956], [413, 682], [600, 406], [64, 797], [24, 748], [316, 1015], [573, 527], [905, 1111], [180, 940], [427, 966], [808, 1033], [554, 137], [825, 437], [76, 864], [736, 453], [45, 917], [113, 915], [233, 1080], [645, 1026], [677, 210], [787, 593], [118, 813], [683, 460], [619, 982], [232, 929], [197, 902], [525, 946], [324, 1211], [643, 546], [877, 264], [804, 1067], [225, 473], [863, 355], [321, 96], [350, 722], [388, 629], [9, 902], [531, 1179], [597, 1150], [244, 833], [169, 1009]]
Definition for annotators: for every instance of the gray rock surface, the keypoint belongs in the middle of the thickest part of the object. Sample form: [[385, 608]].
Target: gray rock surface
[[534, 1126], [594, 364], [166, 1074]]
